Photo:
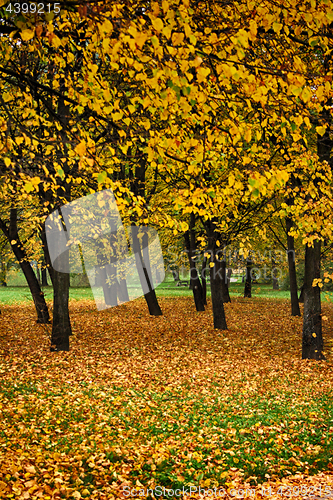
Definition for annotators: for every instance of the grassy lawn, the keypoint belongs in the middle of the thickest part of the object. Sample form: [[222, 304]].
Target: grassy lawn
[[167, 401], [20, 294]]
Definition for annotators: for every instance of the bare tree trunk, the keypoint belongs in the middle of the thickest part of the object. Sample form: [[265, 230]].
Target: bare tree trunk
[[138, 188], [145, 277], [295, 310], [61, 326], [204, 280], [229, 273], [312, 345], [44, 274], [301, 295], [195, 282], [46, 254], [216, 278], [11, 234], [275, 280], [224, 283], [248, 280], [3, 273]]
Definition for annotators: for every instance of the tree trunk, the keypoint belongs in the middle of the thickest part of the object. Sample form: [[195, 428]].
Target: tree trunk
[[175, 274], [229, 273], [204, 280], [44, 275], [138, 188], [46, 253], [312, 346], [3, 273], [195, 282], [248, 280], [61, 327], [224, 283], [295, 310], [216, 278], [150, 296], [39, 278], [38, 297], [275, 280], [301, 295]]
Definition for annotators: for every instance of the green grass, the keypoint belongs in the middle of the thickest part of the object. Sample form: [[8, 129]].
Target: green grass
[[21, 294]]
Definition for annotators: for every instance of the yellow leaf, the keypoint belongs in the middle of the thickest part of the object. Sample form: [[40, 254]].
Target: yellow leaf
[[27, 35], [140, 39], [81, 148], [165, 6], [29, 187], [314, 335], [177, 38], [13, 242], [321, 130], [253, 28], [211, 264], [157, 24], [56, 42], [306, 95], [202, 73], [167, 32], [7, 162], [6, 96]]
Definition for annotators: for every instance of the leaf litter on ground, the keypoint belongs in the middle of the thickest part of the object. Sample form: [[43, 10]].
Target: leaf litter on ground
[[142, 401]]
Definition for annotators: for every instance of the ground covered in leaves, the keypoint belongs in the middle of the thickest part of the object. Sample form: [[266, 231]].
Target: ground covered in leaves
[[144, 402]]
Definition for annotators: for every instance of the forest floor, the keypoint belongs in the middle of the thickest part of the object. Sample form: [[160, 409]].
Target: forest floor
[[165, 402]]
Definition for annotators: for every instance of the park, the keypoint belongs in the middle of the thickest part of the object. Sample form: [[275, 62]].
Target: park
[[166, 276]]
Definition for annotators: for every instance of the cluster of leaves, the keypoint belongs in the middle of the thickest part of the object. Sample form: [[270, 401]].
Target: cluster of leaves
[[167, 401]]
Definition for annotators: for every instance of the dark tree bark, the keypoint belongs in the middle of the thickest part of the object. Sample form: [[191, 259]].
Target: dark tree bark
[[301, 295], [39, 278], [61, 326], [216, 278], [145, 277], [229, 273], [138, 188], [46, 253], [275, 281], [195, 282], [224, 283], [175, 274], [11, 234], [295, 310], [3, 280], [312, 345], [204, 280], [248, 280], [44, 275]]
